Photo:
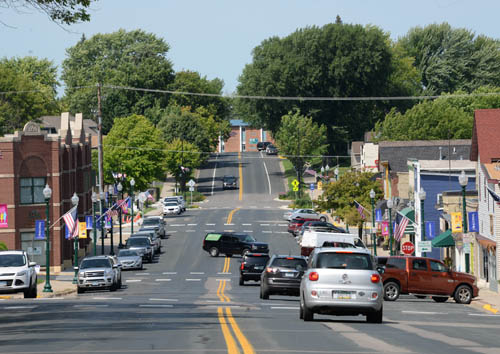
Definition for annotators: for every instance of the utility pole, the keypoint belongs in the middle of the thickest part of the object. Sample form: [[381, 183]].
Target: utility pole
[[99, 154]]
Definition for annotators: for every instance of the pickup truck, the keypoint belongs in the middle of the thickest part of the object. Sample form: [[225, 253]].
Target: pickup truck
[[312, 239], [423, 277]]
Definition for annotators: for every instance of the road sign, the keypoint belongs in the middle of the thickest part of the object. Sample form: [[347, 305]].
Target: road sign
[[191, 189], [295, 189], [424, 246], [295, 183], [311, 186], [320, 185], [191, 183], [408, 248]]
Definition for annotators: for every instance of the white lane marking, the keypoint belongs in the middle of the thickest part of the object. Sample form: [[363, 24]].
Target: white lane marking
[[142, 273], [166, 273], [285, 307], [132, 280], [85, 306], [228, 224], [209, 230], [193, 279], [435, 336], [281, 232], [106, 298], [282, 224], [210, 224], [425, 313], [190, 230], [221, 279], [246, 224], [224, 273], [48, 298], [19, 307], [264, 224], [163, 279], [482, 315], [153, 299], [267, 207], [178, 225], [212, 301], [197, 273], [192, 224], [160, 306], [171, 231], [266, 232], [268, 304], [213, 177], [247, 230], [267, 174]]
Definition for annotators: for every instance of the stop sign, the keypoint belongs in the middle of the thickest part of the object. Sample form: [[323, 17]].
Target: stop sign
[[408, 247]]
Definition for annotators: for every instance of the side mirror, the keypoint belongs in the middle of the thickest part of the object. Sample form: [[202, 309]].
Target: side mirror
[[75, 268], [31, 264], [380, 270], [115, 266]]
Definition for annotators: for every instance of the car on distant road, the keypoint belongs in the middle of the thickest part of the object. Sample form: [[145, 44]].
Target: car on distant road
[[252, 265], [172, 208], [287, 214], [229, 182], [176, 198], [230, 243], [282, 276], [271, 150], [344, 282], [96, 272], [130, 259], [142, 245], [262, 145], [155, 222], [17, 274], [307, 214]]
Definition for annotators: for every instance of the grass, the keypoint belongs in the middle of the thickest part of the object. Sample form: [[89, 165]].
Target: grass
[[147, 210]]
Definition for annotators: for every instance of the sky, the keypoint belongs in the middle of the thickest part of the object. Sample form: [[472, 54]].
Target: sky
[[216, 37]]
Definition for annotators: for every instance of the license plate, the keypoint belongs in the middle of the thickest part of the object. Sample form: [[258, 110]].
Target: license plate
[[289, 275], [3, 283], [342, 295], [95, 284], [259, 267]]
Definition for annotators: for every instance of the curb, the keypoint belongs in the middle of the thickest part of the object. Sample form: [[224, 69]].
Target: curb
[[490, 308]]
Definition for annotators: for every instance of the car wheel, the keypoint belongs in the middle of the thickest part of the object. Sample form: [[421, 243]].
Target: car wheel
[[440, 298], [30, 293], [375, 317], [245, 251], [391, 291], [301, 311], [322, 218], [264, 291], [80, 290], [142, 266], [307, 314], [214, 252], [242, 281], [113, 287], [463, 294]]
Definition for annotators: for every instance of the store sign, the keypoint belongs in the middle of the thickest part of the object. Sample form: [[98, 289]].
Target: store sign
[[456, 222], [3, 216], [473, 221]]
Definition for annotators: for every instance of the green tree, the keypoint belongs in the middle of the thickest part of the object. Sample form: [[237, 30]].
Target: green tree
[[3, 247], [135, 147], [182, 159], [299, 137], [134, 59], [340, 196], [42, 71]]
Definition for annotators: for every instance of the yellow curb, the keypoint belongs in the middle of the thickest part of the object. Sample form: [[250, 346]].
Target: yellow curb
[[489, 308], [6, 297]]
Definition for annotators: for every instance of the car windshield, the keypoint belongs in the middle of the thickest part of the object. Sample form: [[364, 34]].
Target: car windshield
[[138, 241], [127, 253], [337, 260], [150, 222], [171, 204], [230, 179], [95, 263], [12, 260], [293, 263], [247, 238]]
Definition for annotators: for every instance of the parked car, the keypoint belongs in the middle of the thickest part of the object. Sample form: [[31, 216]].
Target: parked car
[[271, 150], [262, 145], [424, 276], [287, 214], [230, 243], [294, 225], [153, 237], [341, 281], [306, 214], [118, 270], [322, 226], [96, 272], [142, 245], [315, 239], [130, 259], [252, 265], [172, 208], [157, 223], [176, 198], [282, 276], [229, 182], [17, 274]]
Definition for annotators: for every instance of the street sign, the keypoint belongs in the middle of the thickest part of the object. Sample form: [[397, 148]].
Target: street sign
[[295, 183], [191, 183], [311, 186], [295, 189], [467, 238], [191, 189], [424, 246], [408, 248], [320, 185]]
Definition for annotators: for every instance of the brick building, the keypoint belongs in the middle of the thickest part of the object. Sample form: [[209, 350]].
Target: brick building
[[243, 137], [30, 159]]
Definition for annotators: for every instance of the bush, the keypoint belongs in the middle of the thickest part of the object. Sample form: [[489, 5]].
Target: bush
[[197, 197], [3, 247], [301, 203]]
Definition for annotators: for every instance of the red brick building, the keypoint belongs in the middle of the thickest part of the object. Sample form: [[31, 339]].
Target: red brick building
[[243, 137], [30, 159]]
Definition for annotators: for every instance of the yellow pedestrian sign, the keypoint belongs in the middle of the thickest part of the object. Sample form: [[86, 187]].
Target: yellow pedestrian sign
[[295, 183], [295, 189], [320, 185]]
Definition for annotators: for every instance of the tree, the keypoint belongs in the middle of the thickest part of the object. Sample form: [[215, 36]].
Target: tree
[[336, 60], [182, 159], [133, 59], [62, 11], [299, 137], [135, 147], [42, 71], [340, 196]]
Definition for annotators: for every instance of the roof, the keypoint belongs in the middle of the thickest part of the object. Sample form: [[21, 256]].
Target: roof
[[446, 165], [89, 126], [238, 123], [493, 170], [485, 135]]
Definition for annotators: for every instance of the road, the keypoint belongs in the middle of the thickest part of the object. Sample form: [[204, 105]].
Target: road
[[188, 302]]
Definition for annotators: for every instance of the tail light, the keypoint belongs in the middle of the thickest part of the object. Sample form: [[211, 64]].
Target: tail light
[[271, 270], [242, 266], [375, 278], [313, 276]]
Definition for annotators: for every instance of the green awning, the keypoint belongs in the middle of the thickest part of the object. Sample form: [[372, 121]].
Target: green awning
[[444, 240], [410, 214]]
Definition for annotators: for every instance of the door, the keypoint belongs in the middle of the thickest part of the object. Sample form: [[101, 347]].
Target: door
[[442, 282], [228, 244], [419, 279]]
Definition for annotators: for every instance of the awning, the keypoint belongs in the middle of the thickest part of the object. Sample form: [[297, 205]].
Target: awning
[[410, 214], [485, 241], [444, 240]]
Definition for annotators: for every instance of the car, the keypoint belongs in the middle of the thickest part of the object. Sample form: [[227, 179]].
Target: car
[[344, 282], [307, 214], [229, 182], [153, 237], [118, 270], [17, 274], [130, 259], [230, 243], [322, 226], [294, 225], [142, 245], [271, 150], [282, 276], [287, 215], [97, 272], [171, 208], [157, 223], [262, 145], [176, 198], [252, 265]]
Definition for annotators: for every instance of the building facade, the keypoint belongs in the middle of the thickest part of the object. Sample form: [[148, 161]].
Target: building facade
[[243, 137]]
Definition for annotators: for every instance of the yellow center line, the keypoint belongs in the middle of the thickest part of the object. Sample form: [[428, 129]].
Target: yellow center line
[[230, 342], [218, 292], [222, 292], [245, 344], [230, 216]]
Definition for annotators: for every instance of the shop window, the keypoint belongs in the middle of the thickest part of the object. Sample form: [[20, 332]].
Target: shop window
[[32, 190]]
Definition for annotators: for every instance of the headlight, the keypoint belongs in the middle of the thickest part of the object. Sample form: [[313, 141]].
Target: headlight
[[21, 273], [109, 272], [81, 275]]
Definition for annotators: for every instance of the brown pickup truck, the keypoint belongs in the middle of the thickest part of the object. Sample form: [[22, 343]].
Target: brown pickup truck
[[426, 277]]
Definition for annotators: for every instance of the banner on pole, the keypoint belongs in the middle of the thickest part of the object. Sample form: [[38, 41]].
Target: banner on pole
[[39, 229], [82, 232], [430, 230], [456, 222], [473, 221], [89, 221], [3, 216], [385, 228], [378, 215]]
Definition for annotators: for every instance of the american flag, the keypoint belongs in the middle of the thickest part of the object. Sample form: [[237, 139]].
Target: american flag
[[123, 204], [401, 224], [150, 197], [71, 222], [361, 210]]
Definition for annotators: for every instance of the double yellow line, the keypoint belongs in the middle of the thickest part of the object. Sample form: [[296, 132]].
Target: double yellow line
[[222, 283]]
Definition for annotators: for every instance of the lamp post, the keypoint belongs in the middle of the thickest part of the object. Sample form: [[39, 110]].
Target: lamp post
[[336, 172], [463, 179], [327, 169], [102, 199], [74, 200], [47, 193], [374, 240], [390, 204], [421, 196], [120, 190], [110, 196], [322, 172], [94, 226], [132, 184]]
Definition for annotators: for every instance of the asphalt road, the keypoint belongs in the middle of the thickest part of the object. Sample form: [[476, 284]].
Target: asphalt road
[[187, 301]]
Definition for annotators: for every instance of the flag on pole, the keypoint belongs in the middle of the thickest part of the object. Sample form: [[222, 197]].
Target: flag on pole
[[149, 196], [495, 196], [401, 224], [361, 210], [71, 221]]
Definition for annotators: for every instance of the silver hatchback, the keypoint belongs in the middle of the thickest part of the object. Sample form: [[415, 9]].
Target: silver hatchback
[[344, 282]]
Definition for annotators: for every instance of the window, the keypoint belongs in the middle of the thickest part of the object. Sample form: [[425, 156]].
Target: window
[[398, 263], [438, 267], [32, 190], [419, 264], [337, 260], [491, 225]]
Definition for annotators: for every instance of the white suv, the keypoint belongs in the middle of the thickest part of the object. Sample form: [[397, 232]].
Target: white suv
[[17, 274]]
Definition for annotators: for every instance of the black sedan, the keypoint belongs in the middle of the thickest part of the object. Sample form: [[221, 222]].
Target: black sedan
[[282, 276]]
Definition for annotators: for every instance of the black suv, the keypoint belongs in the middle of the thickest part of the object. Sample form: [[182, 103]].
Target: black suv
[[252, 265], [230, 243], [229, 182], [282, 276], [262, 145]]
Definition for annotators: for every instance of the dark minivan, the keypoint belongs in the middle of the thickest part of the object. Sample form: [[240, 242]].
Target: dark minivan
[[230, 243]]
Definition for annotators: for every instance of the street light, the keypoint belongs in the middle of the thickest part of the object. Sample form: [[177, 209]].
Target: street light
[[94, 198], [336, 172], [390, 204], [120, 190], [47, 193], [74, 200], [102, 200], [111, 190], [463, 180], [421, 196], [374, 240], [132, 184]]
